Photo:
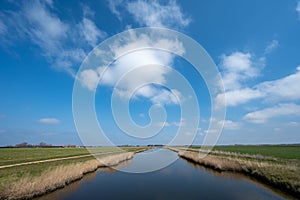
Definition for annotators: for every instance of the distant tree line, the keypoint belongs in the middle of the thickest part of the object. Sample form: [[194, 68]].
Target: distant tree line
[[25, 144], [40, 145]]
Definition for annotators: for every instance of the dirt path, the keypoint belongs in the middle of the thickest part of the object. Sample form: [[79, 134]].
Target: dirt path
[[53, 159]]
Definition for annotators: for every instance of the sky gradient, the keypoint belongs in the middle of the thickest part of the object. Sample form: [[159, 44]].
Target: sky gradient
[[255, 45]]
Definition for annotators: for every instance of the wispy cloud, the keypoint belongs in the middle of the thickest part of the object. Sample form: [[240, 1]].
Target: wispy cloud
[[292, 124], [182, 122], [157, 14], [230, 125], [114, 7], [65, 44], [152, 13], [298, 8], [211, 131], [159, 96], [90, 32], [176, 124], [2, 116], [60, 41], [283, 89], [225, 124], [49, 121], [239, 96], [3, 28], [262, 116], [2, 131], [271, 46]]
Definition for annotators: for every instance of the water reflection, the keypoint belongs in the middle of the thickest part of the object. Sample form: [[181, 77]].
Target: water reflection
[[71, 188], [232, 175], [150, 160], [115, 168], [181, 180], [89, 177]]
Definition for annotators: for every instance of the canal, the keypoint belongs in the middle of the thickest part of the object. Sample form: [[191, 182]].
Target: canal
[[180, 180]]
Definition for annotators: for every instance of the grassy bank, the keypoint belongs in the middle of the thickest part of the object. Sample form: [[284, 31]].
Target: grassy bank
[[281, 172], [20, 155], [276, 151], [27, 181]]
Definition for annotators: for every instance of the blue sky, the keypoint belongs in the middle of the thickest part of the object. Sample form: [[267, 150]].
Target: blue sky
[[255, 45]]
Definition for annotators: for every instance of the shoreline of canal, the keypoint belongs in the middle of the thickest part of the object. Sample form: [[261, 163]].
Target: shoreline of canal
[[270, 172], [57, 178]]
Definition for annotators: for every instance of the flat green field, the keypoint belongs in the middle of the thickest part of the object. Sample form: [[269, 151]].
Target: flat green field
[[277, 151], [20, 155]]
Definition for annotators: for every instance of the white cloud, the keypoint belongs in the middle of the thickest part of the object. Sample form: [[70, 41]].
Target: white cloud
[[90, 31], [167, 124], [129, 62], [298, 8], [113, 6], [237, 97], [286, 88], [64, 44], [237, 68], [163, 124], [3, 28], [46, 26], [43, 27], [49, 121], [150, 73], [163, 96], [154, 94], [138, 77], [271, 46], [225, 124], [230, 125], [180, 123], [277, 129], [283, 89], [292, 124], [261, 116], [211, 131], [189, 134], [153, 13], [89, 78], [68, 59]]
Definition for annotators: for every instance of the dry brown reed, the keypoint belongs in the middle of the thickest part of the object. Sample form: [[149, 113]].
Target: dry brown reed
[[283, 175], [28, 186]]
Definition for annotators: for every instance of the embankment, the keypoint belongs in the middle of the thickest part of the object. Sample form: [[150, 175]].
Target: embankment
[[283, 175], [28, 187]]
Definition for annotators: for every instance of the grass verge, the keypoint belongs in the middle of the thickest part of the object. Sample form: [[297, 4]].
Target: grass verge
[[282, 174], [32, 180]]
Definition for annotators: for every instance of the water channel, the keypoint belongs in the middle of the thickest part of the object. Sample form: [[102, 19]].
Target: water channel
[[180, 180]]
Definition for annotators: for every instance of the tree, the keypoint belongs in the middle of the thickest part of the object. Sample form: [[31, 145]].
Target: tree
[[23, 144]]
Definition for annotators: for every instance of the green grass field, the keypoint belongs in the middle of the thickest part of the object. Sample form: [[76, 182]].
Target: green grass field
[[277, 151], [20, 155]]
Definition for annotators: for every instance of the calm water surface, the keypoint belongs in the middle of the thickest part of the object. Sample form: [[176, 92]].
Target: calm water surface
[[181, 180]]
